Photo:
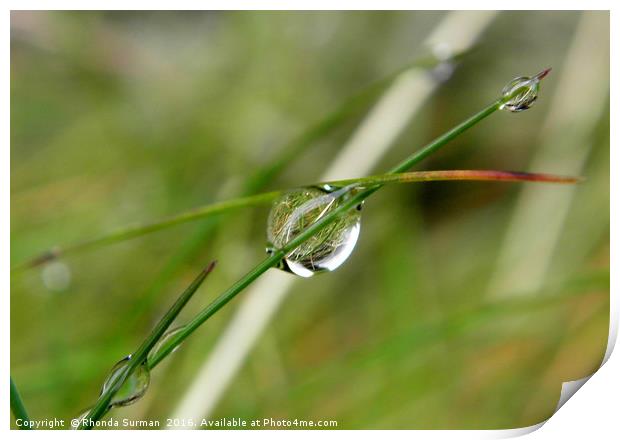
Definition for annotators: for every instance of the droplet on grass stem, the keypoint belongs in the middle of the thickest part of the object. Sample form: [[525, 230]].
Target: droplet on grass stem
[[327, 250], [134, 387], [527, 88]]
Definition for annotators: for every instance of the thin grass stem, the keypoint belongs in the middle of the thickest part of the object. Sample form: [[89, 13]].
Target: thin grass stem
[[139, 356], [137, 230], [18, 408]]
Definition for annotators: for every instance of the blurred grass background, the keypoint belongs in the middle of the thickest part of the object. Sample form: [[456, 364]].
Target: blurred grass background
[[125, 116]]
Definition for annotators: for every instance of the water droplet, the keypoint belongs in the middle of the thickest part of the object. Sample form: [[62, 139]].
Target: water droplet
[[527, 95], [134, 387], [297, 210], [326, 187], [443, 71], [163, 340], [56, 276]]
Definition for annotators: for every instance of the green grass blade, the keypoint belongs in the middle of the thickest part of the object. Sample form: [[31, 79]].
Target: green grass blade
[[18, 408], [454, 175], [139, 356], [133, 231]]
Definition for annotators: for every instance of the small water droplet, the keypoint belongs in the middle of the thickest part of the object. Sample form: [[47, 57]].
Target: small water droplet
[[56, 276], [443, 71], [328, 188], [163, 340], [525, 98], [134, 387], [297, 210]]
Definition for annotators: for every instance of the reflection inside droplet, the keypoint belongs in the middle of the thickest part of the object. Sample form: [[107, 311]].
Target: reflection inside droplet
[[134, 387], [329, 248], [525, 98]]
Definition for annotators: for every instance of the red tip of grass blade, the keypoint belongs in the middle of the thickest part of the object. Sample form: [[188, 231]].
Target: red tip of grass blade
[[518, 176], [542, 74], [487, 175], [207, 270], [515, 176]]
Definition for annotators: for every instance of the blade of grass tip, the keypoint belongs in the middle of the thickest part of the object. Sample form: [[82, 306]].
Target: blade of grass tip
[[139, 356], [440, 141], [18, 408], [307, 233], [458, 175], [567, 141], [133, 231]]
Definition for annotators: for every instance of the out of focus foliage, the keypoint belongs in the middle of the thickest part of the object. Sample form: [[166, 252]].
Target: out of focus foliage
[[125, 116]]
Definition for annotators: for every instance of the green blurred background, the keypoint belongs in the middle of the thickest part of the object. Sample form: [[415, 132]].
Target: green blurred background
[[119, 117]]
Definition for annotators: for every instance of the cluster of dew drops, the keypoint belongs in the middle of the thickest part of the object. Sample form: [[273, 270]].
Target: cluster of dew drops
[[290, 215], [295, 210]]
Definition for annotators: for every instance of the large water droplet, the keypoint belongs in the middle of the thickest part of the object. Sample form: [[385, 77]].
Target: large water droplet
[[134, 387], [297, 210], [527, 88], [163, 341]]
